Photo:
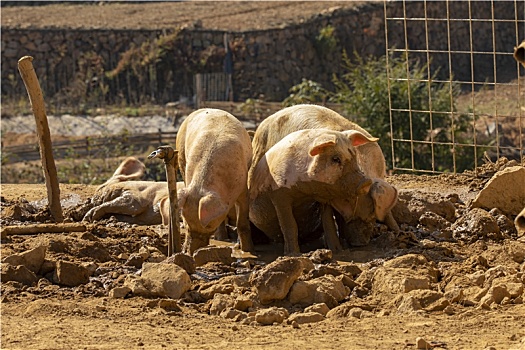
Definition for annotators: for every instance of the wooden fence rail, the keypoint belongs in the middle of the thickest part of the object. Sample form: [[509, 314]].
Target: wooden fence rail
[[90, 147]]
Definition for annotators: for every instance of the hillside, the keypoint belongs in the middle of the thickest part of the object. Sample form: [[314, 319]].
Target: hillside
[[219, 15]]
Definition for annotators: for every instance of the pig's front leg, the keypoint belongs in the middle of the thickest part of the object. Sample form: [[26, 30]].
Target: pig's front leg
[[283, 209], [126, 204], [330, 230], [243, 223]]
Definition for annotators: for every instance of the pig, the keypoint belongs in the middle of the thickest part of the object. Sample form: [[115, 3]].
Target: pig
[[130, 200], [304, 169], [214, 155], [355, 224]]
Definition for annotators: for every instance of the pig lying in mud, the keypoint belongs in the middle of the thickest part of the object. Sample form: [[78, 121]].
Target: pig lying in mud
[[306, 168], [355, 224], [128, 199], [214, 155]]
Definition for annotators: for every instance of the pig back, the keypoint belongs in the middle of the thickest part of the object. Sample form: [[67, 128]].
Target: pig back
[[274, 128]]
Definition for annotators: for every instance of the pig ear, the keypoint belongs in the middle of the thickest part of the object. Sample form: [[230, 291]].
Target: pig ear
[[210, 208], [321, 142], [130, 169], [357, 138], [384, 196]]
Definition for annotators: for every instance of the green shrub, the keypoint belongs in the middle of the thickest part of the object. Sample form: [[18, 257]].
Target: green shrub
[[421, 118]]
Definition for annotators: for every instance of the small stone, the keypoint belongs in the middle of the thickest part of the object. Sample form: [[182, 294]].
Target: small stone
[[119, 292], [422, 344]]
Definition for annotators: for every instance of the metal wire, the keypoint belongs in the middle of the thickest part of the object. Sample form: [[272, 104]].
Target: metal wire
[[472, 142]]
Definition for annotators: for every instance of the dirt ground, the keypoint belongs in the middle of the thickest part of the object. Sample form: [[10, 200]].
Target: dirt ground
[[447, 288], [52, 316]]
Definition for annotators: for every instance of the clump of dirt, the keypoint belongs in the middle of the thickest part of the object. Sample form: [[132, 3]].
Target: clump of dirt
[[451, 269]]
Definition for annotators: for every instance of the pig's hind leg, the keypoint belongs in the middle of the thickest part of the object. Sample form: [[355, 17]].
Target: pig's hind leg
[[126, 204], [243, 223]]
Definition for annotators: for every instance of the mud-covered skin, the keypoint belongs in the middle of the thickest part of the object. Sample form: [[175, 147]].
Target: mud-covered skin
[[369, 157], [214, 154], [304, 168], [131, 201]]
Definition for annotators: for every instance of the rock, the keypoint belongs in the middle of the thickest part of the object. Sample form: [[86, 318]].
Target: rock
[[433, 221], [220, 302], [409, 304], [495, 294], [306, 317], [505, 191], [183, 260], [243, 302], [325, 289], [165, 280], [321, 256], [135, 260], [235, 314], [169, 305], [119, 292], [70, 274], [274, 281], [209, 292], [18, 273], [32, 259], [321, 308], [476, 224], [412, 204], [208, 254], [422, 344], [271, 316]]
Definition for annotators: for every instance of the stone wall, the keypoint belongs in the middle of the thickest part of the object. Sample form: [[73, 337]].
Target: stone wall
[[72, 63]]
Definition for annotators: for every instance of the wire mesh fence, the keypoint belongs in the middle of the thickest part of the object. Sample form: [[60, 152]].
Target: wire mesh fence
[[460, 99]]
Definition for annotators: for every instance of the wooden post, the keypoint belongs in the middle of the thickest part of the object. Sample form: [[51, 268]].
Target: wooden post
[[25, 67], [169, 155]]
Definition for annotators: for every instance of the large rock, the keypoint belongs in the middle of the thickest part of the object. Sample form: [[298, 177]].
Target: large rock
[[274, 281], [505, 191], [18, 273], [32, 259], [476, 224], [165, 280], [325, 289], [213, 254], [70, 274]]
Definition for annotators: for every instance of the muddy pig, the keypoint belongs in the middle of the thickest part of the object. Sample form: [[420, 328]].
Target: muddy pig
[[214, 154], [355, 225], [126, 198], [304, 168]]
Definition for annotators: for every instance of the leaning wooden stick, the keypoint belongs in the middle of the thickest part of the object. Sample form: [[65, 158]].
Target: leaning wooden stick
[[25, 67], [169, 155]]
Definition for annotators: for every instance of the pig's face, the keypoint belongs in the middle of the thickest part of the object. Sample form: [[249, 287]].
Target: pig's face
[[203, 214], [374, 205], [334, 162]]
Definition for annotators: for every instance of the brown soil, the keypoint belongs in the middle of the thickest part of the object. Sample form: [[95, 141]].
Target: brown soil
[[49, 316]]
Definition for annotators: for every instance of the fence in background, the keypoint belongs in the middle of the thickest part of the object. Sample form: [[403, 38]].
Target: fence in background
[[487, 119]]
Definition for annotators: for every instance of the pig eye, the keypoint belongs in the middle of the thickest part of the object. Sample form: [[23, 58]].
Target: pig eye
[[336, 159]]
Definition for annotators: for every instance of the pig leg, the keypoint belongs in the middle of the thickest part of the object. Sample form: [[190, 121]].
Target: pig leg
[[127, 204], [222, 233], [283, 209], [194, 241], [330, 230], [243, 223]]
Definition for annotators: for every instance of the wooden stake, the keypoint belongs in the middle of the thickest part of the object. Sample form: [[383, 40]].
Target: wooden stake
[[25, 67], [42, 228], [169, 155]]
